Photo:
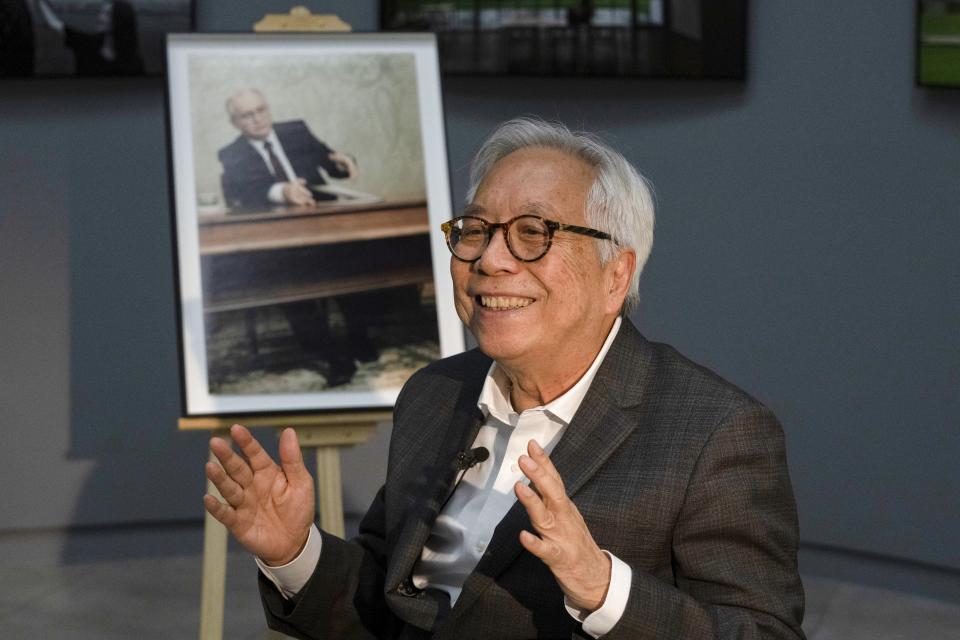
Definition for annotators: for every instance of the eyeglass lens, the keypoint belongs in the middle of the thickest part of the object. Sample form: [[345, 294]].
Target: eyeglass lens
[[528, 237]]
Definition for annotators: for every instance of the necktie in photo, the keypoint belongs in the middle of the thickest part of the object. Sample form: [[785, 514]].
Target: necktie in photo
[[278, 171]]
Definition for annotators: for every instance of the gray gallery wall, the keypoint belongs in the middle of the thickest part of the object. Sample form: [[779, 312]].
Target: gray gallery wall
[[806, 249]]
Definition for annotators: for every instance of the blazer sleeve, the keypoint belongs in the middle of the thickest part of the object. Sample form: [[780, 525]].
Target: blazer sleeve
[[344, 596], [333, 169], [734, 545], [307, 152]]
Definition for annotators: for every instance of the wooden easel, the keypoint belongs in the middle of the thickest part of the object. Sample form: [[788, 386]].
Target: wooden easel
[[326, 433]]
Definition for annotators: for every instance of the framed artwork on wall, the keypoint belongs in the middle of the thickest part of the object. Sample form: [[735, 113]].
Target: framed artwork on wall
[[41, 38], [639, 38], [309, 184]]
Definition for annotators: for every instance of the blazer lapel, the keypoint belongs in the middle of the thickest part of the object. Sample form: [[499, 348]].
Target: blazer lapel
[[599, 427], [458, 434], [462, 431]]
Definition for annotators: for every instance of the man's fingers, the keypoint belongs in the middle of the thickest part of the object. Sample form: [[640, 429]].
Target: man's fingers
[[230, 490], [549, 485], [300, 188], [224, 514], [535, 451], [291, 457], [548, 552], [297, 193], [256, 456], [304, 198], [347, 164], [235, 466], [540, 517]]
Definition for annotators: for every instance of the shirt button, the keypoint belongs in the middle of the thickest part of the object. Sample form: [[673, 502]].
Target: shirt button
[[514, 468], [480, 547]]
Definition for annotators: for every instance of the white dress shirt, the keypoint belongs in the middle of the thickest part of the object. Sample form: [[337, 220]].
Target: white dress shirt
[[466, 525], [275, 194]]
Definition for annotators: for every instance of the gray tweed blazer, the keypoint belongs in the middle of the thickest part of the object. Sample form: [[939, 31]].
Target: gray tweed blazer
[[676, 472]]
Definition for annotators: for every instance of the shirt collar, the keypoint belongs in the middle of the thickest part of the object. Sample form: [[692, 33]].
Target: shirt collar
[[272, 139], [495, 396]]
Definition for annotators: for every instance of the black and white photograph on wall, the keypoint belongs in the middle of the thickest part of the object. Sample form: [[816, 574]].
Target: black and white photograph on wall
[[310, 183], [88, 37], [656, 38]]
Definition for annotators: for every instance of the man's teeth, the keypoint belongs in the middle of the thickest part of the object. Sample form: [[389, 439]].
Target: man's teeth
[[498, 302]]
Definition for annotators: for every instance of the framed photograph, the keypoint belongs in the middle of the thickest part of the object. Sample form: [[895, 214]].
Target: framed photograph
[[639, 38], [310, 180], [88, 37], [938, 43]]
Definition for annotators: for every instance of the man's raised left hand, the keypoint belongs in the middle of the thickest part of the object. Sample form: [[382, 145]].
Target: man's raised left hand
[[562, 540]]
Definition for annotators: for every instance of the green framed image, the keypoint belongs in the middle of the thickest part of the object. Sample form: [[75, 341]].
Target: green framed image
[[938, 43]]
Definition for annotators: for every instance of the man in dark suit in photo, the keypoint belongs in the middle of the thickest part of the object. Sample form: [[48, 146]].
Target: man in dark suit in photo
[[279, 164], [567, 478], [272, 164]]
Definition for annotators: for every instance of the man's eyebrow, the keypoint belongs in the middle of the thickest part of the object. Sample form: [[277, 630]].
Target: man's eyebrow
[[539, 209], [473, 210], [535, 207]]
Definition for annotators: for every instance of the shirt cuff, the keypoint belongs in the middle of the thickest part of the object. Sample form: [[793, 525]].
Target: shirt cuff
[[275, 195], [290, 578], [601, 621]]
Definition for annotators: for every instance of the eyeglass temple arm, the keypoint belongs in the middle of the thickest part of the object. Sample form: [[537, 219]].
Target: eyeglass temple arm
[[587, 231]]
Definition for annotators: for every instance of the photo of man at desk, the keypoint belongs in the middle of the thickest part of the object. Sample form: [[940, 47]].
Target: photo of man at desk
[[279, 164], [271, 164], [313, 237]]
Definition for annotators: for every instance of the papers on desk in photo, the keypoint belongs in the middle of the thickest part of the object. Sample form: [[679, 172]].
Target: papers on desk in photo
[[345, 195]]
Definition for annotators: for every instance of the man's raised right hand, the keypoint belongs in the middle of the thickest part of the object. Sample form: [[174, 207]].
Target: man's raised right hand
[[269, 508]]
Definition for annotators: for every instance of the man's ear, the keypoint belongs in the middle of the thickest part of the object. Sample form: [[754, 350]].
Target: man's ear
[[618, 275]]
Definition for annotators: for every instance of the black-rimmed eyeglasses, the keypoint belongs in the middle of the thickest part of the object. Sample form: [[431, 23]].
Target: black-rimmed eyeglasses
[[528, 237]]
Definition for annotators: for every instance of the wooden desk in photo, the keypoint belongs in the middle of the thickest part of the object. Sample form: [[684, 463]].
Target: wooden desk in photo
[[303, 253]]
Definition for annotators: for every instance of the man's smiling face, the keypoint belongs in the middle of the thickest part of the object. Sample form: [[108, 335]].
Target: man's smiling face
[[524, 314]]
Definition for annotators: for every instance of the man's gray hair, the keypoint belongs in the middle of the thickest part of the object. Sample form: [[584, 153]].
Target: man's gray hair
[[620, 201], [236, 94]]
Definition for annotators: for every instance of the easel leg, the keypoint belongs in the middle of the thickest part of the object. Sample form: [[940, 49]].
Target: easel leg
[[330, 490], [329, 497], [214, 572]]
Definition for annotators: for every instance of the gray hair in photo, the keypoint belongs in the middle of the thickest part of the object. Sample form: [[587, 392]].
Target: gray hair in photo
[[620, 201]]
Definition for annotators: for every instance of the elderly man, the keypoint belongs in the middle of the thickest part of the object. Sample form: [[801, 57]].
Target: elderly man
[[568, 478], [274, 163]]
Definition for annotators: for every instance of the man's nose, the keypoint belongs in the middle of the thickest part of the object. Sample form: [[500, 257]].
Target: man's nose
[[497, 257]]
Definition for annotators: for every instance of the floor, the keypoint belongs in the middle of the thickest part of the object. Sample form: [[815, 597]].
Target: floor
[[106, 588]]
